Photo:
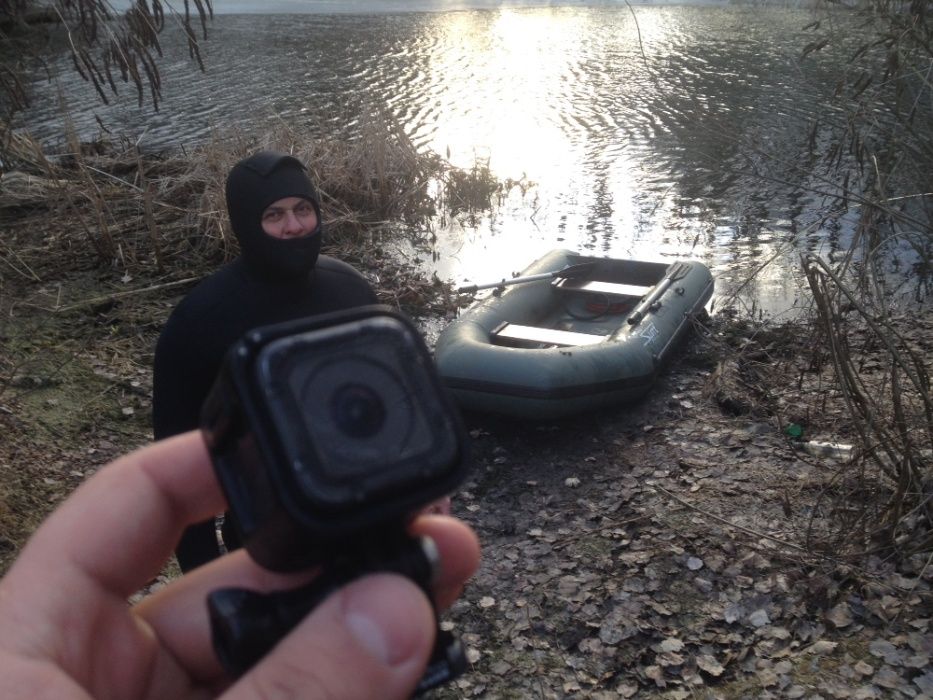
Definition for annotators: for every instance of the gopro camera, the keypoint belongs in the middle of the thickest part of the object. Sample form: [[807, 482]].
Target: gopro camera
[[328, 434]]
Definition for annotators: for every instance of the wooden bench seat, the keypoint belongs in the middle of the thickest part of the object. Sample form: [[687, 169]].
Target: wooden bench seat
[[528, 336]]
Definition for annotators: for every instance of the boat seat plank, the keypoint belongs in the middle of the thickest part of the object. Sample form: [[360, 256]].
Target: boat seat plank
[[597, 287], [516, 334]]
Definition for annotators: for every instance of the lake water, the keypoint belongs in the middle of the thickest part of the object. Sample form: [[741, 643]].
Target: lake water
[[655, 132]]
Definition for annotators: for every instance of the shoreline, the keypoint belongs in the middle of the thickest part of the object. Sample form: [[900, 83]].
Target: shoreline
[[681, 545]]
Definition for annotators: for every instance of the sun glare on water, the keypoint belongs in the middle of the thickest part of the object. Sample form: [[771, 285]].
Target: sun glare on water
[[515, 78]]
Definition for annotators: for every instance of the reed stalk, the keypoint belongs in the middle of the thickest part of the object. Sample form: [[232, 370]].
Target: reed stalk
[[886, 498], [165, 214]]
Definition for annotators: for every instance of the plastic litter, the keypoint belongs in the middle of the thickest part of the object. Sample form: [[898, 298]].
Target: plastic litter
[[830, 450]]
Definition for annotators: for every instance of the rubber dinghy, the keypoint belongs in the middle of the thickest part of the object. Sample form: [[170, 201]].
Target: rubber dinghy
[[584, 332]]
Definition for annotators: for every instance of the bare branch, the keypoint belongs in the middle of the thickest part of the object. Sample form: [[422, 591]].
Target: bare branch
[[130, 46]]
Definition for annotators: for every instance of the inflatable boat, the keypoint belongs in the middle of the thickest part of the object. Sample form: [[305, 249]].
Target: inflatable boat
[[572, 333]]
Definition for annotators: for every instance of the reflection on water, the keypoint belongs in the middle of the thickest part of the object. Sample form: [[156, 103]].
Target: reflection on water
[[681, 134]]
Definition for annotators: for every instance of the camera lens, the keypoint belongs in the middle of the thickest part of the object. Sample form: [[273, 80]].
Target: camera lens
[[354, 408], [357, 410]]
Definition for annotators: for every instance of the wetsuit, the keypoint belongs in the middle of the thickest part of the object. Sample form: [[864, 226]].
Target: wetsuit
[[272, 280]]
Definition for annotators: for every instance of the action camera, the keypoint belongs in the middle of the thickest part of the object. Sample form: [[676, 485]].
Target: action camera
[[328, 434]]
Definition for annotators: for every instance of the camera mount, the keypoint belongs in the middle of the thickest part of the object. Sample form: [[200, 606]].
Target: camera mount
[[246, 625]]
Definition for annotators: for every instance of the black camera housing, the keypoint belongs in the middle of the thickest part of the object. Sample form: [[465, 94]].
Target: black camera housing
[[328, 434]]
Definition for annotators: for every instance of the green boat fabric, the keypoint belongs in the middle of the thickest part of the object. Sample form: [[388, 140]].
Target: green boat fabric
[[520, 350]]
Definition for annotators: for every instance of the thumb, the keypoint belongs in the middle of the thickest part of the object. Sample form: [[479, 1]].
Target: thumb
[[371, 638]]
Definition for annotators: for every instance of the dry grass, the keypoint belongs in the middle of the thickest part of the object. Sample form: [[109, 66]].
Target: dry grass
[[870, 363], [165, 216], [881, 368], [853, 373]]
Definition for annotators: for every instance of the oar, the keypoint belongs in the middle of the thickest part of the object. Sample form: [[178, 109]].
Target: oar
[[569, 272]]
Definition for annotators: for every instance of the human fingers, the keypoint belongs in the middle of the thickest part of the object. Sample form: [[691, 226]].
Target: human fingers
[[119, 527], [459, 551], [63, 602], [178, 613], [371, 638]]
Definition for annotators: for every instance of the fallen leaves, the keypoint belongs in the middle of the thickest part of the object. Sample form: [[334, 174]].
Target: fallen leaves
[[669, 562], [840, 615]]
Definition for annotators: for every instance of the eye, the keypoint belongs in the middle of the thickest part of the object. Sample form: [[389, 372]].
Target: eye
[[304, 210], [272, 215]]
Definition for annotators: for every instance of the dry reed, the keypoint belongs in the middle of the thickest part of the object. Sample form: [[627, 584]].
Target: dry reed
[[165, 215], [882, 501]]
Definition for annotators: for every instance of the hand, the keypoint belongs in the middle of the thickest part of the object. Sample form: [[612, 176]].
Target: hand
[[66, 630]]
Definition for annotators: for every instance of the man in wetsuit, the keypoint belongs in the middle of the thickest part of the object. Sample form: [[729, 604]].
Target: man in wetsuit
[[279, 276]]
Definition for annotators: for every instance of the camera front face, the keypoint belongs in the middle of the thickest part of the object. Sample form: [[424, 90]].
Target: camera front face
[[327, 429], [356, 412]]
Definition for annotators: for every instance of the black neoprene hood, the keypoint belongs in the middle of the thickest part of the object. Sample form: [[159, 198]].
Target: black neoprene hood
[[252, 185]]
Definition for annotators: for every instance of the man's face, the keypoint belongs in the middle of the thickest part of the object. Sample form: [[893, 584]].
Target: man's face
[[289, 217]]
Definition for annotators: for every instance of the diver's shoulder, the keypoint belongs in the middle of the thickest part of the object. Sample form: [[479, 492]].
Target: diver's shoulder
[[326, 263], [220, 288], [332, 276]]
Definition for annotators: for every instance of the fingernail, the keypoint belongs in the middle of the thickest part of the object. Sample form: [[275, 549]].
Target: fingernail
[[388, 615]]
